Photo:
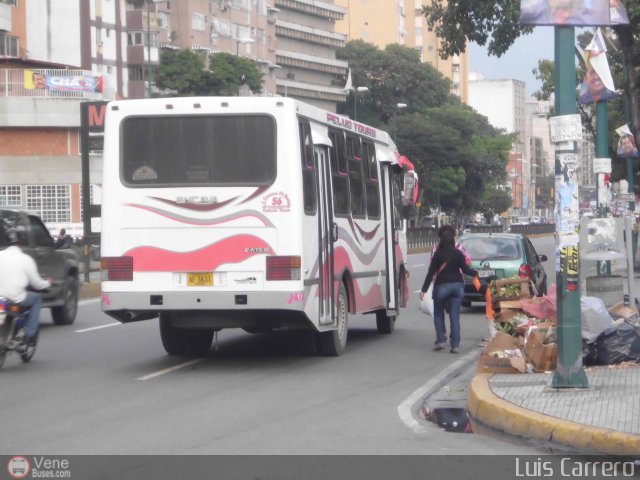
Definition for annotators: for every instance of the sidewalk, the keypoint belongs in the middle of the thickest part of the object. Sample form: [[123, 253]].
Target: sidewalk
[[602, 418]]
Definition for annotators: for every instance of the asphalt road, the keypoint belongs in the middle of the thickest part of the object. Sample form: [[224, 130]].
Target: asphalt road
[[99, 387]]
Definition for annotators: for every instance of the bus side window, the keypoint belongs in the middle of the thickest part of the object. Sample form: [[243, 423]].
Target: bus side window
[[372, 189], [396, 186], [308, 171], [339, 177], [356, 180]]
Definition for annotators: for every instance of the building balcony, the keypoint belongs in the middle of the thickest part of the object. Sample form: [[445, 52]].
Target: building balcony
[[137, 20], [288, 88], [312, 7], [5, 17], [311, 35], [139, 54], [310, 62]]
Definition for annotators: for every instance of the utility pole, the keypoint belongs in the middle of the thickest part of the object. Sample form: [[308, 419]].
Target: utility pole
[[602, 151], [149, 48], [569, 371]]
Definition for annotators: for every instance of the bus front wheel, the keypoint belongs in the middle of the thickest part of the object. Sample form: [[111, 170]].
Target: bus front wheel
[[333, 343]]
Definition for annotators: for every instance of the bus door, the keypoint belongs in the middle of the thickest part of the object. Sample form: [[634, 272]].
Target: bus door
[[391, 217], [327, 235]]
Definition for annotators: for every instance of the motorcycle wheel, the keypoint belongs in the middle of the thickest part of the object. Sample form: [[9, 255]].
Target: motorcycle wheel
[[4, 334], [29, 352]]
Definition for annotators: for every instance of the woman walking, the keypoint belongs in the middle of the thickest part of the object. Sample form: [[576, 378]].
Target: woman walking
[[448, 287]]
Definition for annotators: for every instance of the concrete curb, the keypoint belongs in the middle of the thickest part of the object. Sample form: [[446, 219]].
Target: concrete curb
[[490, 410]]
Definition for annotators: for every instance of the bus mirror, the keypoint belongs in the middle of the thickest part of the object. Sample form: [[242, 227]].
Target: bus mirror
[[410, 186]]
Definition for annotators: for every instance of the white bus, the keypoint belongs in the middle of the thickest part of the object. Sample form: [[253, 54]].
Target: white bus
[[258, 213]]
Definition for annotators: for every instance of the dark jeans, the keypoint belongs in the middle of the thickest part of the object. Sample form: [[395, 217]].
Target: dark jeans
[[451, 293]]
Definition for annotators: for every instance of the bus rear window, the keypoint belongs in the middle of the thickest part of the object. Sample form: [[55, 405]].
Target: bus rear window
[[198, 150]]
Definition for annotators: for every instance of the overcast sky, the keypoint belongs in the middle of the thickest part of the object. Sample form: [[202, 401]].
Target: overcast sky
[[519, 60]]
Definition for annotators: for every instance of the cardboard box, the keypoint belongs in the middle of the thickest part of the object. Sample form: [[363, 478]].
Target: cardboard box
[[542, 356], [499, 343], [506, 315], [525, 285], [620, 310]]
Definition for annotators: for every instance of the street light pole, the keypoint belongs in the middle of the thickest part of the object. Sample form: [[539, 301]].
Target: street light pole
[[399, 106], [355, 100]]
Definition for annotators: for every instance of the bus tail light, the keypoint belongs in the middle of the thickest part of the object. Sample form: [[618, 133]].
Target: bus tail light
[[116, 269], [284, 268], [525, 271]]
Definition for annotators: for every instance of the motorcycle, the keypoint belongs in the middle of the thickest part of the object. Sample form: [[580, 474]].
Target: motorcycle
[[13, 319]]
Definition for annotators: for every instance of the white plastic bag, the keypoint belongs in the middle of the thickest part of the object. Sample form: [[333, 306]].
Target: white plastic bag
[[426, 304]]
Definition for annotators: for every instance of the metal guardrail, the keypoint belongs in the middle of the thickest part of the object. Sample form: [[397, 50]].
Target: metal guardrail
[[419, 237], [534, 228]]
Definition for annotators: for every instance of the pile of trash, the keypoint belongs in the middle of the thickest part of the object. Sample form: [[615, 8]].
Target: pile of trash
[[523, 329], [609, 336], [525, 334]]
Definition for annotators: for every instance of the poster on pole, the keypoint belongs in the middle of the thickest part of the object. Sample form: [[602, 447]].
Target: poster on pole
[[565, 128], [580, 13], [601, 165]]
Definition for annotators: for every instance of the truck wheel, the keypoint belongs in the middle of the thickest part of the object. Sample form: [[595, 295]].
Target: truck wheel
[[333, 343], [66, 313], [173, 339]]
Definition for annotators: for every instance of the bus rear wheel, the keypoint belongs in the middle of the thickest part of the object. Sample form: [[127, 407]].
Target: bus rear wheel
[[180, 341], [333, 343]]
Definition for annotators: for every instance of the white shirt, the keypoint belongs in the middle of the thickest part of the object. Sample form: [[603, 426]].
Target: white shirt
[[17, 271]]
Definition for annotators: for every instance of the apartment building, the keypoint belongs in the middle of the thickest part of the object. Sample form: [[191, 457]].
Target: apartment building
[[306, 52], [503, 102], [53, 57], [383, 22], [241, 27]]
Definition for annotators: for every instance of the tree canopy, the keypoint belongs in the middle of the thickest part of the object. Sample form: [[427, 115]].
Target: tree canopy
[[185, 73], [457, 153], [495, 23]]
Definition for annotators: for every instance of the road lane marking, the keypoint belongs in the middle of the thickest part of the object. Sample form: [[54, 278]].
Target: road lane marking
[[409, 406], [97, 328], [170, 369]]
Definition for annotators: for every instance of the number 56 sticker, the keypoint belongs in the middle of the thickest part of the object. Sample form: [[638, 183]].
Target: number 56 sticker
[[276, 202]]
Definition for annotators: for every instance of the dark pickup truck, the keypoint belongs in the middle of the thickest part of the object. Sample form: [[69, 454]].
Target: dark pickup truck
[[60, 265]]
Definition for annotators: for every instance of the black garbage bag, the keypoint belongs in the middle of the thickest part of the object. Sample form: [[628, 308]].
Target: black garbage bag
[[589, 354], [619, 345]]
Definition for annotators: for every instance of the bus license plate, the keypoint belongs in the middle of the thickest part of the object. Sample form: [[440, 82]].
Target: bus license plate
[[486, 273], [200, 279]]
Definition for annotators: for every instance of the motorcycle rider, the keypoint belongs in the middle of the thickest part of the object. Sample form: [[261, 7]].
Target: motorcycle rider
[[20, 271]]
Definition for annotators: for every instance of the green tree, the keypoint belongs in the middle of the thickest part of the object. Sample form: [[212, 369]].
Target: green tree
[[494, 201], [495, 23], [393, 75], [455, 150], [183, 72], [230, 72]]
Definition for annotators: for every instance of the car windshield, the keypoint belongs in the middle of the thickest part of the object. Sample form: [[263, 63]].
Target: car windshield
[[491, 248]]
